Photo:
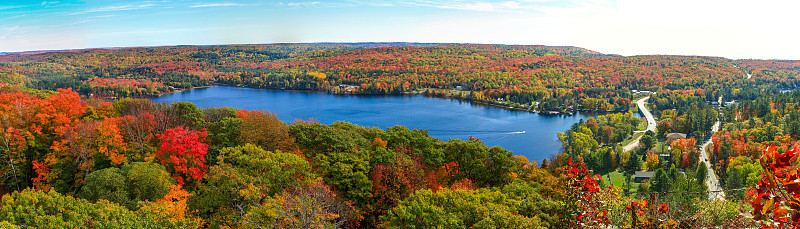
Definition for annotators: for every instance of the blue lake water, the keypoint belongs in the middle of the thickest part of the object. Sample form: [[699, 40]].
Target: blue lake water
[[443, 118]]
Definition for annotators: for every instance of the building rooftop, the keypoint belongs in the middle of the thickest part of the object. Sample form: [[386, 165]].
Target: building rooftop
[[644, 174]]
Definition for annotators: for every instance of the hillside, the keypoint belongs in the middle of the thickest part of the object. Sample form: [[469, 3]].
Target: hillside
[[554, 77], [83, 147]]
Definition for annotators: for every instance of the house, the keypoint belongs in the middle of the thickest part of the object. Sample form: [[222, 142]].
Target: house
[[641, 176], [676, 135], [672, 137]]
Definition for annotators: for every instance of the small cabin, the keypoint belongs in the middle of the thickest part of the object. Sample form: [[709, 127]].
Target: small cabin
[[676, 136], [672, 137], [641, 176]]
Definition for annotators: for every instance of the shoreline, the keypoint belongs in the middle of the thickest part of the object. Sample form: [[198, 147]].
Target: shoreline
[[477, 102]]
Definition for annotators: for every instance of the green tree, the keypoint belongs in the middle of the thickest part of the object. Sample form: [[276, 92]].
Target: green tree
[[245, 179], [37, 209], [648, 141], [486, 167], [634, 162], [134, 182], [698, 134], [702, 173], [660, 182], [108, 184], [458, 209], [186, 114], [536, 206], [221, 134]]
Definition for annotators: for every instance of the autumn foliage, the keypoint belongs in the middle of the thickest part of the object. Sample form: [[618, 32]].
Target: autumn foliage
[[183, 152], [582, 190], [346, 175], [264, 129], [776, 198]]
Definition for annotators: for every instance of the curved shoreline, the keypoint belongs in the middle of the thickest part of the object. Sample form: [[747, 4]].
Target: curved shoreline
[[477, 102]]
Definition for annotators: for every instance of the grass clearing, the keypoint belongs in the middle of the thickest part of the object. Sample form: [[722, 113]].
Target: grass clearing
[[629, 140], [658, 147], [618, 179], [642, 125]]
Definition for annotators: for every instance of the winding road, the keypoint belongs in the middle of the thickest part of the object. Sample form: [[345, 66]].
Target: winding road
[[712, 182], [651, 123]]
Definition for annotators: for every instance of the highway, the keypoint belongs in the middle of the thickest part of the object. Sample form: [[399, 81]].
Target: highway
[[651, 123], [711, 180]]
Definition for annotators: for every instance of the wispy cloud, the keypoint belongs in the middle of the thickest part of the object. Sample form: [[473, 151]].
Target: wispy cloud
[[138, 6], [224, 4], [45, 3], [488, 6], [152, 31], [15, 7], [92, 19], [303, 3], [8, 31]]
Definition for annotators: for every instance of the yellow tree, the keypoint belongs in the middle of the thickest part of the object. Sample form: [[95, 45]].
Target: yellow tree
[[264, 129], [652, 161]]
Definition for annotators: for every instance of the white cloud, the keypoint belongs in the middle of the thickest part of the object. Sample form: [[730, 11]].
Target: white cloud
[[485, 6], [118, 8], [216, 5], [45, 3], [15, 7], [26, 38], [302, 4], [8, 31]]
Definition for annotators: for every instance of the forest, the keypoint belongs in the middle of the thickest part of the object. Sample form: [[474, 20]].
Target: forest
[[83, 147], [545, 78]]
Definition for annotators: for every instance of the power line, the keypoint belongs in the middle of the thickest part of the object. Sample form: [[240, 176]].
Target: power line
[[682, 192]]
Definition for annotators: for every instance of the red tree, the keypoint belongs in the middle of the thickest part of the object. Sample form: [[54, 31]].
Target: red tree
[[183, 152], [776, 198], [582, 192]]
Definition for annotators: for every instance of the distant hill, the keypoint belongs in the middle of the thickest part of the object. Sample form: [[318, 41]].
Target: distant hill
[[562, 78]]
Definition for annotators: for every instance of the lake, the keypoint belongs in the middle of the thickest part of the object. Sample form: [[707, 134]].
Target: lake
[[524, 133]]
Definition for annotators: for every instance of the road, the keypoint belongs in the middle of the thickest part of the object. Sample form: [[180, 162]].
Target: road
[[711, 180], [651, 123]]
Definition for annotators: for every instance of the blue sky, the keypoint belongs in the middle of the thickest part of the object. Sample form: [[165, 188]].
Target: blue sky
[[765, 29]]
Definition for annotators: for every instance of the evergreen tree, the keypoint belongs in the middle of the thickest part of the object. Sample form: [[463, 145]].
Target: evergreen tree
[[661, 181], [633, 163], [702, 172]]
